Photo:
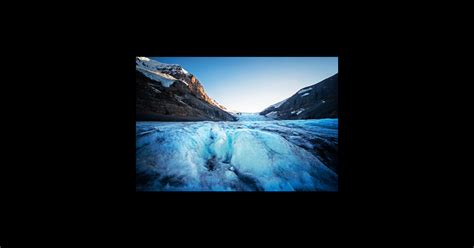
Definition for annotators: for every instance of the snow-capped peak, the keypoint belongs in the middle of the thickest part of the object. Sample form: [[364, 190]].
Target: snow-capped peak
[[146, 63], [143, 58], [167, 74], [160, 71]]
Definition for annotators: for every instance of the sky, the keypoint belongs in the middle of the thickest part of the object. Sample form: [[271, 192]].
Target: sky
[[251, 84]]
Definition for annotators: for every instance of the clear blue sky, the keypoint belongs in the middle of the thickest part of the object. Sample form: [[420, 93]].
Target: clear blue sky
[[250, 84]]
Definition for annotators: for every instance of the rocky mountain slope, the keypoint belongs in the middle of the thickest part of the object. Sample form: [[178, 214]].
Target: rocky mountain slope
[[167, 92], [313, 102]]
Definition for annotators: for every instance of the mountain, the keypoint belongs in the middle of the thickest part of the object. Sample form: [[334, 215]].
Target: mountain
[[167, 92], [313, 102]]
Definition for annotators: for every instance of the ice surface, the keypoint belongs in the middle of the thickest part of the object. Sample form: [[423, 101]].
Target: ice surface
[[253, 117], [233, 156]]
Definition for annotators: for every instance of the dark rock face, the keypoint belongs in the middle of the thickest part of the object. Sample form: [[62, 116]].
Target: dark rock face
[[179, 102], [312, 102]]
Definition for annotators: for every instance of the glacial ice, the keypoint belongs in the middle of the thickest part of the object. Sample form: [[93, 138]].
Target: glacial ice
[[233, 156]]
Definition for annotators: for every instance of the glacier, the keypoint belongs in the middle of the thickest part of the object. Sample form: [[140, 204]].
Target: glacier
[[253, 154]]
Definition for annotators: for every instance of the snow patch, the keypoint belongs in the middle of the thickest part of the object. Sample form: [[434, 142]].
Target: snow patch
[[179, 99], [305, 94], [305, 90], [272, 114], [154, 89], [165, 79], [300, 111]]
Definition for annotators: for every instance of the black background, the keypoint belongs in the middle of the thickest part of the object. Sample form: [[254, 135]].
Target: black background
[[69, 172]]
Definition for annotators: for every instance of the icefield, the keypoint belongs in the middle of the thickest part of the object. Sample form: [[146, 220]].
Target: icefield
[[247, 155]]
